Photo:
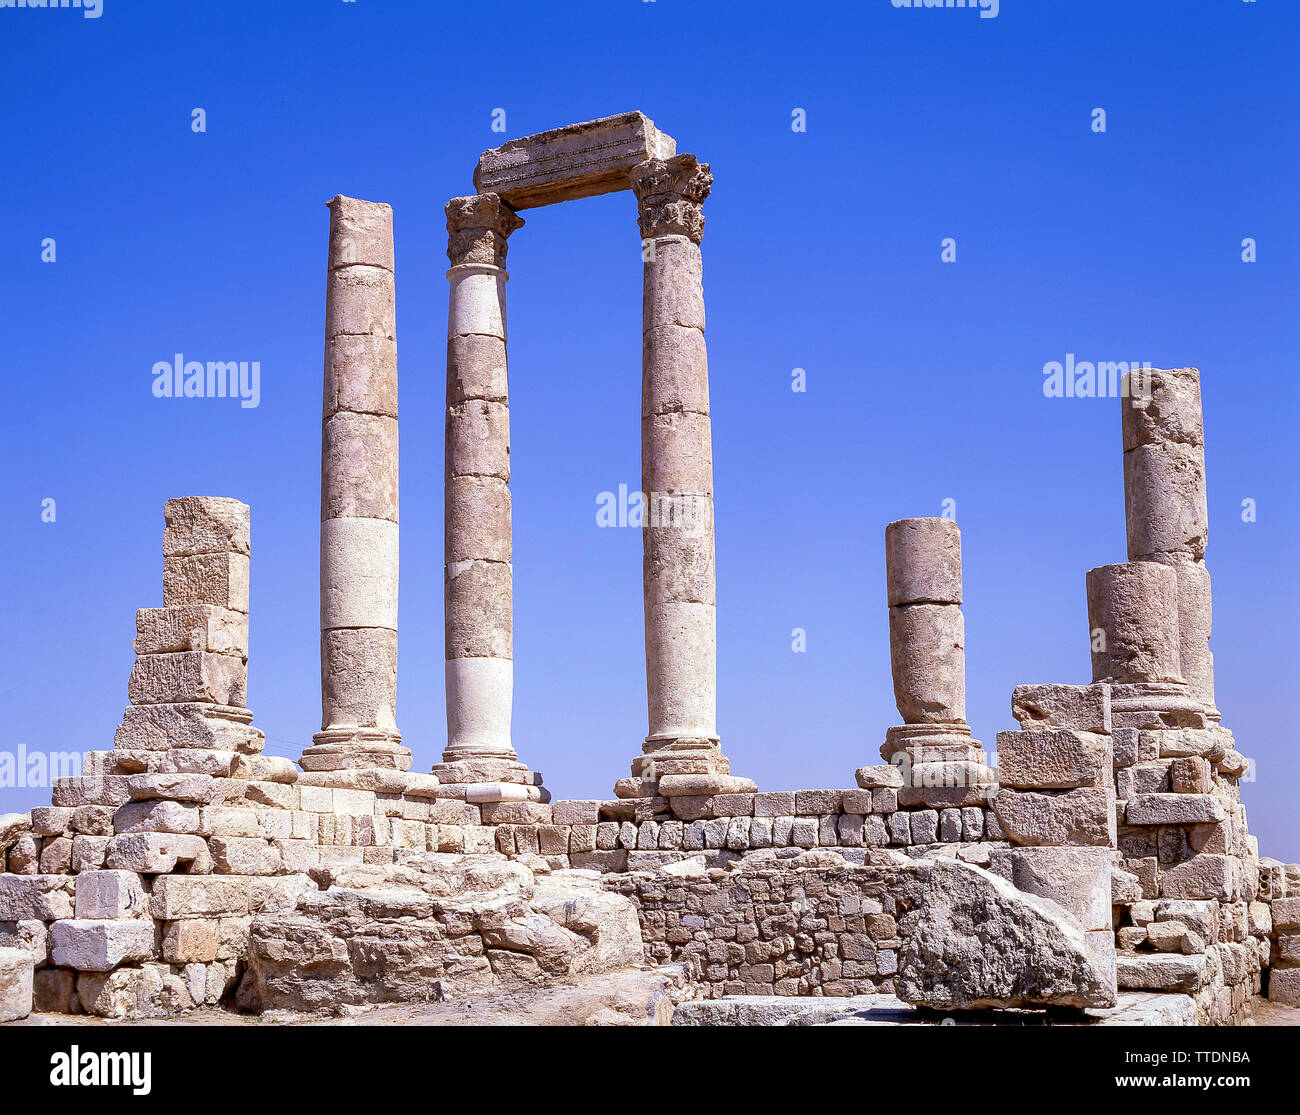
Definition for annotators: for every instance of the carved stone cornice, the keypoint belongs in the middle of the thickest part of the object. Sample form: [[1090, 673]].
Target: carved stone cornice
[[670, 195], [477, 228]]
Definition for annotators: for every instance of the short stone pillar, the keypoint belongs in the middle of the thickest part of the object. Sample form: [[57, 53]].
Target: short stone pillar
[[479, 761], [1165, 504], [927, 651], [680, 755], [359, 541]]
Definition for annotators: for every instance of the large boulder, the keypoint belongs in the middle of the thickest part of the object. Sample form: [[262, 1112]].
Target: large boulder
[[981, 943], [435, 926]]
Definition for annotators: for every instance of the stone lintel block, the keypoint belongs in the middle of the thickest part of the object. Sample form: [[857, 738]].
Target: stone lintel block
[[927, 653], [1081, 708], [158, 853], [677, 454], [923, 561], [200, 896], [360, 300], [1174, 809], [220, 579], [1054, 759], [361, 232], [359, 467], [1084, 816], [205, 525], [189, 726], [1165, 507], [197, 627], [478, 439], [359, 678], [359, 573], [1133, 622], [111, 894], [188, 676], [576, 161], [360, 375], [1162, 405], [674, 371], [101, 946], [38, 897]]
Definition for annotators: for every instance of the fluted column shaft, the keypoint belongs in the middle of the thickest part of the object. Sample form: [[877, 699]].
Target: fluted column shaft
[[359, 520]]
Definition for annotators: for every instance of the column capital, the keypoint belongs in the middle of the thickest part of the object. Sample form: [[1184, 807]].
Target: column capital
[[477, 228], [670, 195]]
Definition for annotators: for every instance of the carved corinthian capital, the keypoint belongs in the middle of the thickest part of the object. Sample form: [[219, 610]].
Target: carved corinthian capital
[[670, 194], [477, 227]]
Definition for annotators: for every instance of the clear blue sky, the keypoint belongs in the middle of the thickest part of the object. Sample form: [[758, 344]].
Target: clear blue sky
[[822, 252]]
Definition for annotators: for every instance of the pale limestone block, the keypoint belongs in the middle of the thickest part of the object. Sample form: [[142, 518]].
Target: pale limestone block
[[200, 896], [1060, 759], [200, 627], [188, 676], [359, 573], [1078, 879], [1162, 405], [928, 660], [478, 300], [476, 369], [923, 561], [360, 300], [16, 983], [477, 519], [1083, 816], [677, 454], [478, 610], [199, 788], [35, 896], [361, 232], [675, 371], [358, 681], [220, 579], [361, 375], [359, 467], [205, 525], [673, 286], [576, 161], [678, 560], [681, 667], [1165, 501], [1081, 708], [158, 853], [110, 895], [101, 946], [157, 816], [191, 726], [1174, 809], [235, 855], [477, 439], [1133, 619]]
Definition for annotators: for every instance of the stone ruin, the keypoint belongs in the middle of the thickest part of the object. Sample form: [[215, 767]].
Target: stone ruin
[[1104, 865]]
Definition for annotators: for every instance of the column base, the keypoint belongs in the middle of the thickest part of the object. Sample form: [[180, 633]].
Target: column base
[[682, 767], [932, 743], [487, 778], [356, 749], [1155, 705], [940, 765]]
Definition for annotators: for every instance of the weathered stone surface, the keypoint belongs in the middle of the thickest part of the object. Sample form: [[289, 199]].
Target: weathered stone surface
[[1060, 759], [1133, 622], [1174, 809], [1081, 708], [15, 984], [205, 525], [982, 943], [101, 946], [110, 894], [198, 627], [927, 654], [577, 161], [42, 897], [923, 561], [1084, 816]]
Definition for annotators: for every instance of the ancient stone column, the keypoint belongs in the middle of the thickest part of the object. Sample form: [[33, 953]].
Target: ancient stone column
[[358, 549], [478, 583], [680, 755], [1165, 504], [927, 652], [1133, 623]]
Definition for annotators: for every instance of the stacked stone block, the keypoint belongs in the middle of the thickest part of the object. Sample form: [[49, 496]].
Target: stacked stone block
[[359, 498], [1275, 918], [939, 762]]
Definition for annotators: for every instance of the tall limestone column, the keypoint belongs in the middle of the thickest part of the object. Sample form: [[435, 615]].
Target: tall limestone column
[[680, 755], [358, 548], [1165, 504], [479, 762], [927, 649]]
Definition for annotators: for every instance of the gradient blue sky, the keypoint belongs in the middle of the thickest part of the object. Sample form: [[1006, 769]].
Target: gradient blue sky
[[822, 252]]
